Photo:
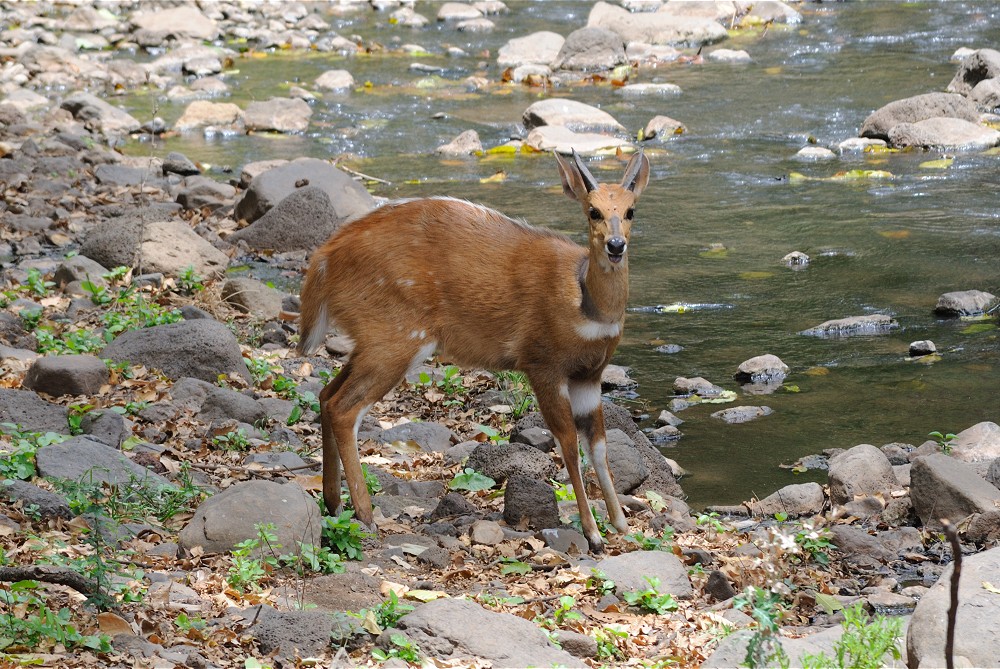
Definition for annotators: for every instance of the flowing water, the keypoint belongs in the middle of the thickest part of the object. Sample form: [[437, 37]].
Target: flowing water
[[886, 246]]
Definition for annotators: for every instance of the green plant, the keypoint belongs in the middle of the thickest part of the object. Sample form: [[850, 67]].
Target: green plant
[[29, 626], [944, 440], [863, 644], [561, 614], [711, 521], [99, 293], [388, 613], [610, 640], [564, 491], [451, 383], [310, 558], [189, 281], [651, 599], [36, 283], [764, 648], [600, 582], [401, 647], [68, 342], [344, 535], [186, 623], [517, 392], [31, 318], [652, 543], [816, 542], [514, 566], [253, 559], [235, 440], [371, 481], [76, 414], [471, 480], [17, 460]]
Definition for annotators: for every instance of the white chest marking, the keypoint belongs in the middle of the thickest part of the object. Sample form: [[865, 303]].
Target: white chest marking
[[594, 330]]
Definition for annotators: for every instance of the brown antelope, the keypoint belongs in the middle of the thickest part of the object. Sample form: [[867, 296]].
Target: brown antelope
[[439, 274]]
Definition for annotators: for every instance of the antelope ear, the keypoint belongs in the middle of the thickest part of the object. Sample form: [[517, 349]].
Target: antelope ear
[[577, 182], [636, 174]]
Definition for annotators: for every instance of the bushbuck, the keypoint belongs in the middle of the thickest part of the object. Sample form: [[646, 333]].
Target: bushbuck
[[440, 274]]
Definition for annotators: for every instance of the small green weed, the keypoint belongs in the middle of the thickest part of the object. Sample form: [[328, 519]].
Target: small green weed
[[652, 542], [514, 566], [561, 614], [35, 628], [17, 459], [564, 491], [650, 599], [864, 643], [944, 440], [401, 647], [764, 648], [35, 283], [344, 535], [388, 613], [236, 440], [610, 641], [471, 480], [189, 281]]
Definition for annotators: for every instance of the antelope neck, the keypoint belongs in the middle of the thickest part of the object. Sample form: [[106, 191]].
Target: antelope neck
[[590, 274]]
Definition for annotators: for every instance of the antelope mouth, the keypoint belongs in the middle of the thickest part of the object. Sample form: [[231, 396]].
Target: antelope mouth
[[615, 258]]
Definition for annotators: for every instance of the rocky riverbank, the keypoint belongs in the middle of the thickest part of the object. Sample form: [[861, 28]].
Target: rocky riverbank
[[155, 416]]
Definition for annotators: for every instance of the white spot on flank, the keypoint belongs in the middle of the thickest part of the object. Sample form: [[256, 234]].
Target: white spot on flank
[[594, 330], [418, 334], [584, 398], [425, 352]]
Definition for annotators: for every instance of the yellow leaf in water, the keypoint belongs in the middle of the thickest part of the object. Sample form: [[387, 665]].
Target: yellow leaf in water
[[989, 587], [878, 148], [940, 164], [499, 177], [855, 175], [503, 148], [895, 234], [754, 276], [772, 70], [817, 371]]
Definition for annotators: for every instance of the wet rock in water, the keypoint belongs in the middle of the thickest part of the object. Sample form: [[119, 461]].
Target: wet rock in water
[[456, 628], [979, 443], [800, 499], [944, 487], [335, 80], [986, 94], [169, 247], [67, 375], [979, 66], [664, 434], [922, 348], [99, 115], [591, 49], [478, 25], [563, 140], [772, 10], [944, 133], [645, 90], [859, 144], [744, 414], [457, 11], [917, 108], [500, 461], [178, 163], [617, 377], [83, 458], [656, 27], [965, 303], [815, 153], [573, 115], [977, 637], [465, 144], [861, 471], [853, 326], [229, 517], [540, 48], [202, 113], [184, 21], [347, 197], [696, 386], [650, 54], [662, 128], [31, 412], [252, 297], [729, 56], [278, 114], [203, 349], [762, 369], [667, 418], [407, 17]]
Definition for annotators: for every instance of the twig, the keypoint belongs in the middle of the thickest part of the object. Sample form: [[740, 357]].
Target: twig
[[364, 176], [49, 574], [956, 552]]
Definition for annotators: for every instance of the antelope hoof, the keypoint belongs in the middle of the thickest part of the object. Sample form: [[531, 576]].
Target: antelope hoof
[[596, 545]]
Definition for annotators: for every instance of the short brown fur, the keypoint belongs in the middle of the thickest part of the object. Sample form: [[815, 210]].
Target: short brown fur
[[485, 291]]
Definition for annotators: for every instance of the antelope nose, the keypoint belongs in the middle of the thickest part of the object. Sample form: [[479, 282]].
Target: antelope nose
[[616, 246]]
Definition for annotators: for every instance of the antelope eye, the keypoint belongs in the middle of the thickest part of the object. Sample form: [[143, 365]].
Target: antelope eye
[[594, 214], [630, 213]]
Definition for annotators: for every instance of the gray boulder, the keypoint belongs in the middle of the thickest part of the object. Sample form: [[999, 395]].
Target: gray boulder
[[944, 133], [293, 634], [80, 268], [100, 115], [252, 297], [798, 499], [591, 49], [278, 115], [67, 375], [203, 349], [302, 221], [979, 443], [431, 437], [943, 487], [630, 570], [226, 519], [26, 409], [530, 502], [500, 461], [861, 471], [347, 197], [460, 628], [981, 65], [986, 94], [183, 21], [48, 504], [917, 108], [200, 192], [540, 48], [571, 114], [765, 368], [655, 28], [627, 466], [858, 546], [964, 303], [84, 459], [743, 414], [977, 635], [163, 246], [210, 402]]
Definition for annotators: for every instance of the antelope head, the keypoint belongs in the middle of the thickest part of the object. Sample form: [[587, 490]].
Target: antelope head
[[609, 207]]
